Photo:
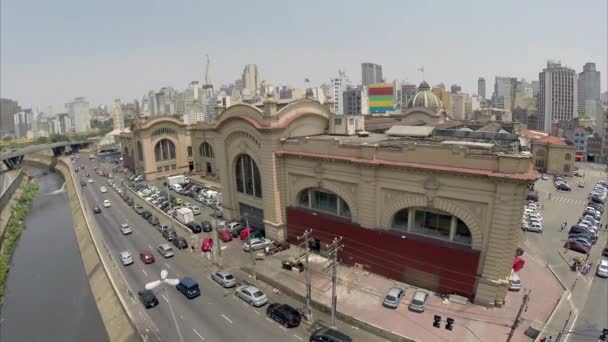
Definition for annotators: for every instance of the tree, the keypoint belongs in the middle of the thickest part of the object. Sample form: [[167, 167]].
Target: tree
[[42, 140], [7, 138]]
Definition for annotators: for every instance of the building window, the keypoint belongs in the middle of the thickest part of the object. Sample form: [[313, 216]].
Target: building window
[[432, 222], [324, 201], [167, 168], [337, 122], [462, 233], [540, 153], [173, 167], [540, 164], [247, 176], [163, 131], [566, 168], [189, 151], [205, 150], [140, 152], [164, 150], [159, 169], [567, 157], [401, 220]]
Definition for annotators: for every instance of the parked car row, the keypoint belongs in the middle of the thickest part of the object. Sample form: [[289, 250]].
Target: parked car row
[[532, 219], [583, 235], [208, 197]]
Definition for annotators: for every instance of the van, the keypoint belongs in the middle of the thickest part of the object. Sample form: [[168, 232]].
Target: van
[[515, 282]]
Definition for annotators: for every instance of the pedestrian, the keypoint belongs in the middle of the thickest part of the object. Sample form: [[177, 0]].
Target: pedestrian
[[563, 225], [192, 248], [544, 339], [549, 196], [550, 339], [606, 226]]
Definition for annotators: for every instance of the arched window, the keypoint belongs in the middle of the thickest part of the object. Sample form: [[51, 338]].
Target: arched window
[[164, 150], [140, 151], [432, 222], [247, 176], [206, 150], [567, 157], [324, 201]]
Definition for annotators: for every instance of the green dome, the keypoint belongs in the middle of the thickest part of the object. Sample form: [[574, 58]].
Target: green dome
[[425, 98]]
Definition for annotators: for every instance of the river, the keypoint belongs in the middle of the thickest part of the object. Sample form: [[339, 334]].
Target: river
[[48, 297]]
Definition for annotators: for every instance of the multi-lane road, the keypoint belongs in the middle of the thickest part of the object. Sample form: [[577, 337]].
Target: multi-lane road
[[217, 315]]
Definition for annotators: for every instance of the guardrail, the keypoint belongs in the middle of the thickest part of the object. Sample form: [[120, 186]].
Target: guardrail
[[8, 193]]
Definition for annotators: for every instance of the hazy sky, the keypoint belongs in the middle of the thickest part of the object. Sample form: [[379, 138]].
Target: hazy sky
[[53, 51]]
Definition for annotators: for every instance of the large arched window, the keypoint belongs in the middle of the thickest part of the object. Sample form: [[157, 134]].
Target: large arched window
[[324, 201], [247, 176], [140, 151], [206, 150], [164, 150], [432, 222]]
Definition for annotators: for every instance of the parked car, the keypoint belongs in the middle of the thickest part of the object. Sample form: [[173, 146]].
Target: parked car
[[206, 226], [225, 235], [207, 245], [251, 295], [515, 282], [329, 335], [169, 234], [256, 244], [153, 220], [244, 233], [148, 298], [165, 250], [284, 314], [188, 287], [195, 227], [126, 258], [420, 298], [602, 269], [146, 257], [180, 243], [162, 227], [393, 297], [576, 247], [226, 279], [235, 228], [564, 187], [534, 226]]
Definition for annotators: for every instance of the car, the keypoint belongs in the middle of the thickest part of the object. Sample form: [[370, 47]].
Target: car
[[103, 189], [165, 250], [329, 335], [585, 241], [218, 214], [576, 247], [602, 269], [126, 258], [207, 245], [226, 279], [284, 314], [188, 287], [244, 233], [206, 225], [106, 203], [153, 220], [251, 295], [145, 214], [225, 235], [83, 183], [139, 209], [96, 210], [178, 201], [148, 298], [180, 243], [82, 167], [162, 227], [564, 187], [196, 210], [534, 226], [605, 251], [234, 228], [125, 229], [194, 227], [420, 298], [515, 282], [393, 297], [544, 177], [169, 234], [146, 257], [87, 175], [256, 244]]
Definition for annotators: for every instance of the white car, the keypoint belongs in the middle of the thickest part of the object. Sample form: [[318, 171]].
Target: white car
[[535, 226], [91, 180], [125, 229], [251, 295], [126, 258], [602, 269], [196, 210], [256, 243], [106, 203], [103, 190]]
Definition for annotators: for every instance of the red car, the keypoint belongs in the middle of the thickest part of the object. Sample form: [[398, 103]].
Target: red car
[[87, 174], [577, 247], [82, 167], [244, 234], [225, 235], [207, 245], [147, 257]]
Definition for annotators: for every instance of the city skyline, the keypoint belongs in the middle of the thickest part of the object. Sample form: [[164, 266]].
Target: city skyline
[[62, 54]]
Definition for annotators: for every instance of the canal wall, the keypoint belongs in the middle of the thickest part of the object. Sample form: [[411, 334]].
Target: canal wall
[[7, 200], [112, 296]]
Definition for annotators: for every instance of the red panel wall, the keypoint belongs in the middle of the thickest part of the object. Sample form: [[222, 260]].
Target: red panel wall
[[389, 254]]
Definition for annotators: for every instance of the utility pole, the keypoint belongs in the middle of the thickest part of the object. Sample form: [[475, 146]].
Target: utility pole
[[216, 235], [333, 252], [251, 254], [306, 237], [524, 305]]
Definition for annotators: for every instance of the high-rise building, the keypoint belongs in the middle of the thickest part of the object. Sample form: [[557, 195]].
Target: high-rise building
[[356, 101], [208, 72], [407, 92], [80, 114], [381, 97], [371, 73], [251, 80], [23, 122], [588, 87], [118, 118], [8, 109], [557, 95], [455, 89], [504, 92], [338, 86], [481, 87]]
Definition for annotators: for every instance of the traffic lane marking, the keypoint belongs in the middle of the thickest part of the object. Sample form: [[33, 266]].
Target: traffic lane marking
[[165, 298], [298, 337], [226, 318], [144, 272], [197, 334]]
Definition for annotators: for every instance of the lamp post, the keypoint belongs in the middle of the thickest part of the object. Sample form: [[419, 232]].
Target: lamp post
[[216, 235], [246, 216], [167, 281]]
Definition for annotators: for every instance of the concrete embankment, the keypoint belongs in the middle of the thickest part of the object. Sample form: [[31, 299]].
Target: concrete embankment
[[109, 288]]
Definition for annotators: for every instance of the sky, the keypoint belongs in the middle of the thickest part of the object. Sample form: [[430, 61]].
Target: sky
[[53, 51]]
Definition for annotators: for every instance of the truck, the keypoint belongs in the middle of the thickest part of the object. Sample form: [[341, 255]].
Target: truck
[[179, 179], [185, 215]]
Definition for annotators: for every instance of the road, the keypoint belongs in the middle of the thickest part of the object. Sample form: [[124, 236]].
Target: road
[[587, 314], [217, 315]]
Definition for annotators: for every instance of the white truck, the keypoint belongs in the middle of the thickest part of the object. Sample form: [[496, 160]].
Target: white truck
[[179, 179], [185, 215]]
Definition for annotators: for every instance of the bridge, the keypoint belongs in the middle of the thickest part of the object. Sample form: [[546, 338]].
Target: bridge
[[14, 158]]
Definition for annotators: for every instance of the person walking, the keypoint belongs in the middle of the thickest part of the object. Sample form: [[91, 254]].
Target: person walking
[[550, 339], [549, 196]]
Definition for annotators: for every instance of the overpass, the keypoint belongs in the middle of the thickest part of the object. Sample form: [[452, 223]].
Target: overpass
[[14, 158]]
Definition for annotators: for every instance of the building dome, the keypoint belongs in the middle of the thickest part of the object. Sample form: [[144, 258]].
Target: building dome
[[425, 98]]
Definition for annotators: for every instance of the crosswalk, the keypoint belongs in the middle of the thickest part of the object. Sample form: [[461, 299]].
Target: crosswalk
[[562, 200]]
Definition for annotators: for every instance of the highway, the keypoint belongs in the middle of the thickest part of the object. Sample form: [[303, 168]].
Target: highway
[[217, 315]]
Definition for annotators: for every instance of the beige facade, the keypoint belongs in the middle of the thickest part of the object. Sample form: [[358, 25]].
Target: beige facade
[[554, 156]]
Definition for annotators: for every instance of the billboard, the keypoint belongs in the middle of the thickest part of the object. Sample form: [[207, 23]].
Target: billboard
[[381, 97]]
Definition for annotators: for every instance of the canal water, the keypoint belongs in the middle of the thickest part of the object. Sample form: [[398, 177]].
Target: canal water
[[48, 297]]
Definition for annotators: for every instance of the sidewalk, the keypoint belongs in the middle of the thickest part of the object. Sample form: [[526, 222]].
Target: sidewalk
[[360, 296], [205, 182]]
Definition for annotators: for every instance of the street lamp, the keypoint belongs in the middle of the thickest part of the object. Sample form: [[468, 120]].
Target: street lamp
[[216, 235], [251, 254], [166, 281]]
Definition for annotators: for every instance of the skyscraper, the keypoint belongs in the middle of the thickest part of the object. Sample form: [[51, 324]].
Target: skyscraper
[[455, 89], [356, 101], [338, 86], [118, 118], [481, 87], [557, 95], [588, 87], [251, 79], [371, 73], [8, 109], [208, 72], [80, 114]]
